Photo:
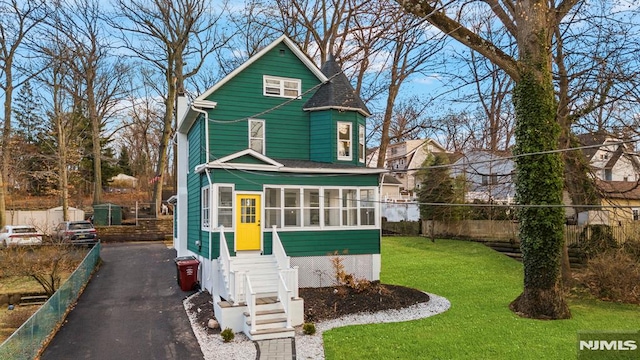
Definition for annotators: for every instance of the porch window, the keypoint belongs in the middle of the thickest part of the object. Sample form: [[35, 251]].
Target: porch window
[[272, 207], [635, 214], [367, 207], [225, 206], [311, 207], [332, 207], [291, 207], [349, 208], [361, 147], [344, 141], [256, 135], [205, 208], [281, 87]]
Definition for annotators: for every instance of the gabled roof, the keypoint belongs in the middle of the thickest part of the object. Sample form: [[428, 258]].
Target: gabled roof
[[591, 139], [282, 39], [201, 101], [337, 93], [251, 160]]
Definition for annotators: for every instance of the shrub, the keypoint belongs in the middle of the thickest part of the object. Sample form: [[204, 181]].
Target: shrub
[[597, 239], [309, 328], [227, 335], [16, 317], [345, 279], [614, 276], [632, 247]]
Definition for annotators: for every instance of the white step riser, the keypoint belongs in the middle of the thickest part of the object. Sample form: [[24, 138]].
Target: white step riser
[[278, 335], [278, 315], [271, 326]]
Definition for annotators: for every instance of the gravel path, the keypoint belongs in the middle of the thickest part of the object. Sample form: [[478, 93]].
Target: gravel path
[[311, 347]]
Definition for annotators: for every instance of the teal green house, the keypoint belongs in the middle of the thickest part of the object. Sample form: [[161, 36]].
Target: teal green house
[[272, 184]]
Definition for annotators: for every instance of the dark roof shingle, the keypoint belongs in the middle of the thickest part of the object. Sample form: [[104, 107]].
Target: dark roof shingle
[[337, 92]]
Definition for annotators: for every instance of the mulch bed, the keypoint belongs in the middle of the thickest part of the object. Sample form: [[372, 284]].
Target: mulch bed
[[330, 302]]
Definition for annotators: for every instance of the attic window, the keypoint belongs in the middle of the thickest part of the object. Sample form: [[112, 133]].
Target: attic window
[[281, 87], [281, 51]]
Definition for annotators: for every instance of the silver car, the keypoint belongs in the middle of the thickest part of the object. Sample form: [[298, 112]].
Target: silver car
[[19, 235], [75, 232]]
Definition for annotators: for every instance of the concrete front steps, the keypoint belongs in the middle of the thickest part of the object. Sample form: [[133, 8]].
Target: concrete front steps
[[271, 321]]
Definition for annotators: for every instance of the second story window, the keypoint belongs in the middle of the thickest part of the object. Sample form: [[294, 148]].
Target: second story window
[[256, 135], [361, 148], [281, 87], [344, 141]]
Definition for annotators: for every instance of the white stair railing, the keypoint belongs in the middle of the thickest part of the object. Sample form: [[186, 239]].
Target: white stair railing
[[251, 302], [278, 251], [284, 295], [226, 280], [289, 274]]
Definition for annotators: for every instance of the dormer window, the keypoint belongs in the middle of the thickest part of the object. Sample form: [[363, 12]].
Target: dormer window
[[281, 87], [344, 141]]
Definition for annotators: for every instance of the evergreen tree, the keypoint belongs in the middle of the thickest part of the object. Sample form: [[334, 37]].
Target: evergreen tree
[[437, 187], [124, 163]]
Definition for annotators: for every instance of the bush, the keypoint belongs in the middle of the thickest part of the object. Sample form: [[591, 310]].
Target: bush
[[597, 239], [614, 276], [18, 316], [632, 247], [227, 335], [309, 328]]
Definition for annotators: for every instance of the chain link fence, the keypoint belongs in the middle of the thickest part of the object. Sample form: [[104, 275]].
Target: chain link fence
[[27, 341]]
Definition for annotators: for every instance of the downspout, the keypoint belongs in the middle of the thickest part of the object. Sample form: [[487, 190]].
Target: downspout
[[206, 131], [210, 227], [206, 146]]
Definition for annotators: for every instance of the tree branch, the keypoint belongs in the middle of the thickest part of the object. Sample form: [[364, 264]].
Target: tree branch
[[440, 20]]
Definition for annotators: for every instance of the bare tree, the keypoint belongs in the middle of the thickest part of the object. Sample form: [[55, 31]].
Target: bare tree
[[167, 35], [413, 47], [102, 76], [19, 18]]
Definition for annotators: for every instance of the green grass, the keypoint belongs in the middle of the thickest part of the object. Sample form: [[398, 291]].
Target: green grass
[[480, 283]]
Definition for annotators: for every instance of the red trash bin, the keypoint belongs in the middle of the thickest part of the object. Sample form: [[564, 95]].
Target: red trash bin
[[187, 272]]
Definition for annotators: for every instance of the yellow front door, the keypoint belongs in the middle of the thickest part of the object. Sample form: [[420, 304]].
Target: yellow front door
[[248, 224]]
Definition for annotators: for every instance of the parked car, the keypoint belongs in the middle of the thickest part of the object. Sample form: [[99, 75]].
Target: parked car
[[75, 232], [19, 235]]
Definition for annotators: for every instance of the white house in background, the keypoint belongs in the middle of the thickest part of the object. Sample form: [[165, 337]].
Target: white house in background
[[611, 160], [404, 159], [488, 176], [123, 181]]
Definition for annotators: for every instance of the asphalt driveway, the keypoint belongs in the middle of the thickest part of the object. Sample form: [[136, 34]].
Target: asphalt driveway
[[131, 309]]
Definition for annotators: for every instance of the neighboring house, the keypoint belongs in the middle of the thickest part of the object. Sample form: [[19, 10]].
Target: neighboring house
[[122, 181], [404, 159], [272, 186], [488, 176], [621, 200], [609, 159], [390, 189]]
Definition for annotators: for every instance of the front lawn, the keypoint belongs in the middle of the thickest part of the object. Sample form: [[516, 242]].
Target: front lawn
[[480, 283]]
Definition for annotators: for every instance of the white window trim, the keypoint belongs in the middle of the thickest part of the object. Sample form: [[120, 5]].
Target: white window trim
[[264, 135], [205, 208], [361, 143], [281, 81], [637, 211], [340, 208], [214, 200], [350, 156]]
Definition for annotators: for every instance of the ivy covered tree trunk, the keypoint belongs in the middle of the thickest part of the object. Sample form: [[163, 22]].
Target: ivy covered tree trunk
[[539, 182]]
